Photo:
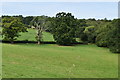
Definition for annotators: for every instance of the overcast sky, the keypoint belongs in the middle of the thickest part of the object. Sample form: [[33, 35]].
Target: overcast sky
[[96, 10]]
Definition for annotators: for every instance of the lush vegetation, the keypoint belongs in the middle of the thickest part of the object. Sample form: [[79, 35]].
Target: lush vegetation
[[11, 28], [65, 29]]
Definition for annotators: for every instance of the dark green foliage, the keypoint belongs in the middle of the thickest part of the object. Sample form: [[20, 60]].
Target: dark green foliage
[[101, 40], [49, 27], [84, 37], [108, 35], [102, 37], [20, 17], [11, 28], [28, 19], [90, 33], [64, 28], [80, 27], [114, 36]]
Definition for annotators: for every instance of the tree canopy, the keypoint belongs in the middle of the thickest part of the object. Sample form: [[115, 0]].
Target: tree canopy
[[11, 28], [64, 28]]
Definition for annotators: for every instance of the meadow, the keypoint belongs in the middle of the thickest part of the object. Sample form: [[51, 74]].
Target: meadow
[[54, 61], [31, 34]]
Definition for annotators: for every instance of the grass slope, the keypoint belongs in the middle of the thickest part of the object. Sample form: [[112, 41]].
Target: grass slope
[[0, 54], [53, 61], [31, 34], [0, 33]]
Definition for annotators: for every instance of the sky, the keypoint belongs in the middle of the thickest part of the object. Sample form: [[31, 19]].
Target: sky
[[98, 10]]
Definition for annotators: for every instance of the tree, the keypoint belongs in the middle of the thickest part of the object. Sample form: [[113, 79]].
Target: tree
[[80, 27], [39, 23], [19, 16], [64, 28], [27, 20], [89, 32], [108, 35], [11, 28], [114, 36], [102, 37], [49, 25]]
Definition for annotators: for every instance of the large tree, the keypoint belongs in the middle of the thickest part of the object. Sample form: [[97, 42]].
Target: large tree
[[11, 28], [64, 28]]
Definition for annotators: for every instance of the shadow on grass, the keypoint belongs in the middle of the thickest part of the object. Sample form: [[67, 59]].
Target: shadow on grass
[[43, 42]]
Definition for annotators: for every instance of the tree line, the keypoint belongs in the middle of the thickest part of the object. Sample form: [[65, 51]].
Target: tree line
[[65, 29]]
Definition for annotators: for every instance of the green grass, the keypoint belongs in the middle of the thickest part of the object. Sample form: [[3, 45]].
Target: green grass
[[0, 55], [0, 34], [31, 34], [53, 61]]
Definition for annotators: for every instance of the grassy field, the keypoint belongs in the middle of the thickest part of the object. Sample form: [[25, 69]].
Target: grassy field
[[30, 36], [0, 55], [53, 61], [0, 61], [0, 34], [82, 61]]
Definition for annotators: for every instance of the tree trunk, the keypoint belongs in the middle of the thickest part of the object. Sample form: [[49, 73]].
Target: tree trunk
[[38, 42], [38, 35], [12, 42]]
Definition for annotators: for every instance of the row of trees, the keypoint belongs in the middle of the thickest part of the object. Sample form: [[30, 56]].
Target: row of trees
[[65, 29]]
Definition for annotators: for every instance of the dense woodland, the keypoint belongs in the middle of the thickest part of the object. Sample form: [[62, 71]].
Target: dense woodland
[[66, 29]]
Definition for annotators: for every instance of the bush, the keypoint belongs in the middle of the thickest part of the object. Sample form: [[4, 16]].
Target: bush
[[115, 48], [101, 40], [90, 33], [64, 40], [84, 37], [114, 36]]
